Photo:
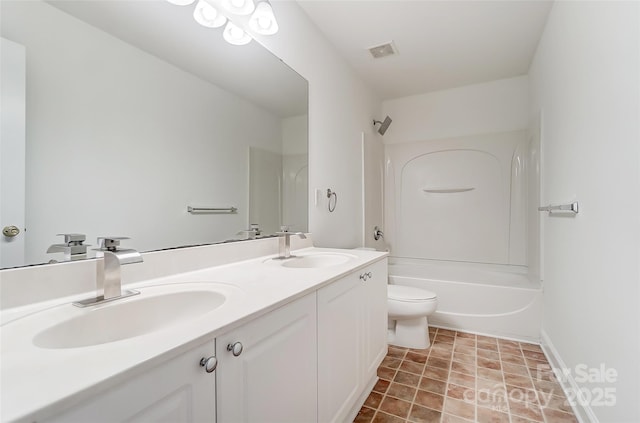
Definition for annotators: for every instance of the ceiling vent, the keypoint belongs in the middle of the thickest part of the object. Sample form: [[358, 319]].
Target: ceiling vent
[[383, 50]]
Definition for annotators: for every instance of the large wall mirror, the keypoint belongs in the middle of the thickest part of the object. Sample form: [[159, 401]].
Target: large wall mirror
[[134, 112]]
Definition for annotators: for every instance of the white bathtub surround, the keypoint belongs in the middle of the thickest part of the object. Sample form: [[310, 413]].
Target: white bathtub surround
[[487, 299], [67, 377], [460, 199]]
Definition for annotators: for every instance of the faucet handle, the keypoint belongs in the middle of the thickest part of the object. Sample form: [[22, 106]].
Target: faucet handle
[[284, 228], [73, 239], [110, 243]]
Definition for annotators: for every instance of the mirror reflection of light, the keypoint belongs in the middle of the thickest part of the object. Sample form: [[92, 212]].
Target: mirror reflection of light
[[207, 15], [181, 2], [239, 7], [263, 20], [235, 35]]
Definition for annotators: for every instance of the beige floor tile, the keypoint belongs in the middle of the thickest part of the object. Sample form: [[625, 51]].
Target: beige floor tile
[[395, 407], [420, 414], [429, 400], [433, 385], [436, 373], [460, 408], [403, 392], [466, 378]]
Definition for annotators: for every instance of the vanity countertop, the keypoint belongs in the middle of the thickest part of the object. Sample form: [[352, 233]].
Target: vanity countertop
[[37, 382]]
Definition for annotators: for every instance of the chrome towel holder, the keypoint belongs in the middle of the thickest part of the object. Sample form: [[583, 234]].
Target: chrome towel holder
[[332, 195], [571, 208], [230, 210]]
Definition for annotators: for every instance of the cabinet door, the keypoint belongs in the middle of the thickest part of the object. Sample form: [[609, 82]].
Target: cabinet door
[[375, 317], [339, 348], [179, 390], [274, 378]]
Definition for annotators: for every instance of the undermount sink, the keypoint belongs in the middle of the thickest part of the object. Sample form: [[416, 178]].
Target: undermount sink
[[314, 261], [156, 308]]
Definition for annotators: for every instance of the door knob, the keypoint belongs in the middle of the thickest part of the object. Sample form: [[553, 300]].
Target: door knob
[[10, 231]]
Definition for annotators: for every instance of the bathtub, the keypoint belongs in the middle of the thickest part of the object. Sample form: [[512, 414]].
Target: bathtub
[[485, 299]]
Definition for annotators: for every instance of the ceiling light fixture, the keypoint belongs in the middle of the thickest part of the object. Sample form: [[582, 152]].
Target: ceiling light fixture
[[239, 7], [215, 13], [235, 35], [263, 21], [181, 2], [207, 15]]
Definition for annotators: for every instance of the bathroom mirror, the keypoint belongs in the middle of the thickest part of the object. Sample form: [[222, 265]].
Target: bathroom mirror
[[134, 112]]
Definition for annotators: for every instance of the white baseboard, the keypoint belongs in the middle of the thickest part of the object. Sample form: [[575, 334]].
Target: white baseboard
[[584, 413]]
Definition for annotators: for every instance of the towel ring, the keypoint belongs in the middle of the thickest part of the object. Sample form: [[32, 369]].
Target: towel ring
[[330, 195]]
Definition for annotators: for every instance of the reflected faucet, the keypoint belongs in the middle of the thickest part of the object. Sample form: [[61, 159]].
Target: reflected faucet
[[108, 271], [252, 232], [73, 247], [284, 242]]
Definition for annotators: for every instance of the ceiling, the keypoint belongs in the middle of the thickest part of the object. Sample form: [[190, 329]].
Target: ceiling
[[441, 44]]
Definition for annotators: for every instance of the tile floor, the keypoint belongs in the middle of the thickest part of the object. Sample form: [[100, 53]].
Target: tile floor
[[464, 377]]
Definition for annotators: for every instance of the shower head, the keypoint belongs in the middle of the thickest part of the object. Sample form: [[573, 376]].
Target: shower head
[[383, 125]]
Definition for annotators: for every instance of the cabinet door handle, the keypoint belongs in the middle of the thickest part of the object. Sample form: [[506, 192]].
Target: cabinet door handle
[[235, 348], [209, 364]]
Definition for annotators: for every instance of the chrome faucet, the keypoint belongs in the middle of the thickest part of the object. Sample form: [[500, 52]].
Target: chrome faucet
[[108, 271], [284, 242], [73, 247], [252, 232]]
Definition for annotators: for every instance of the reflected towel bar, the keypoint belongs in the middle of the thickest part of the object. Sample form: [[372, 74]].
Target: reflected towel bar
[[212, 209], [573, 208]]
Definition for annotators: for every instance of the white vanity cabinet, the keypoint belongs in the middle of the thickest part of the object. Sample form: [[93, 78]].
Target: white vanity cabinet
[[352, 330], [312, 360], [179, 390], [267, 369]]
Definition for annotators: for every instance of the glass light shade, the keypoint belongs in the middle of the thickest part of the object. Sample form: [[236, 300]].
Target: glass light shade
[[181, 2], [235, 35], [263, 21], [207, 15], [239, 7]]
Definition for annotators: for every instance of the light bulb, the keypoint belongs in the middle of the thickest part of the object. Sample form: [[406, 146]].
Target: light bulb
[[263, 21], [235, 35], [181, 2], [239, 7], [207, 15]]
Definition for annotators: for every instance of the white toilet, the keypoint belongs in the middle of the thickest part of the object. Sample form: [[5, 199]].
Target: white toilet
[[408, 311]]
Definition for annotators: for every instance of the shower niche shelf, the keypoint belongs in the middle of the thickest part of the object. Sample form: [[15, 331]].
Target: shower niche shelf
[[446, 190]]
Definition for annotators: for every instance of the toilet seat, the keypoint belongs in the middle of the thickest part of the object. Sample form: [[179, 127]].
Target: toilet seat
[[408, 293]]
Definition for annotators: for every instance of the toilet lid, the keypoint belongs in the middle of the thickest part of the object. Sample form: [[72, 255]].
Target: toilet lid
[[408, 293]]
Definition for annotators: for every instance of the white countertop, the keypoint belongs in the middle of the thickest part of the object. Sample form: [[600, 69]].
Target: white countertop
[[36, 382]]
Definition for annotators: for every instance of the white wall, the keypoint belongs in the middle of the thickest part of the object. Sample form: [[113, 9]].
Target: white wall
[[373, 192], [294, 135], [88, 145], [585, 82], [341, 106], [496, 106]]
